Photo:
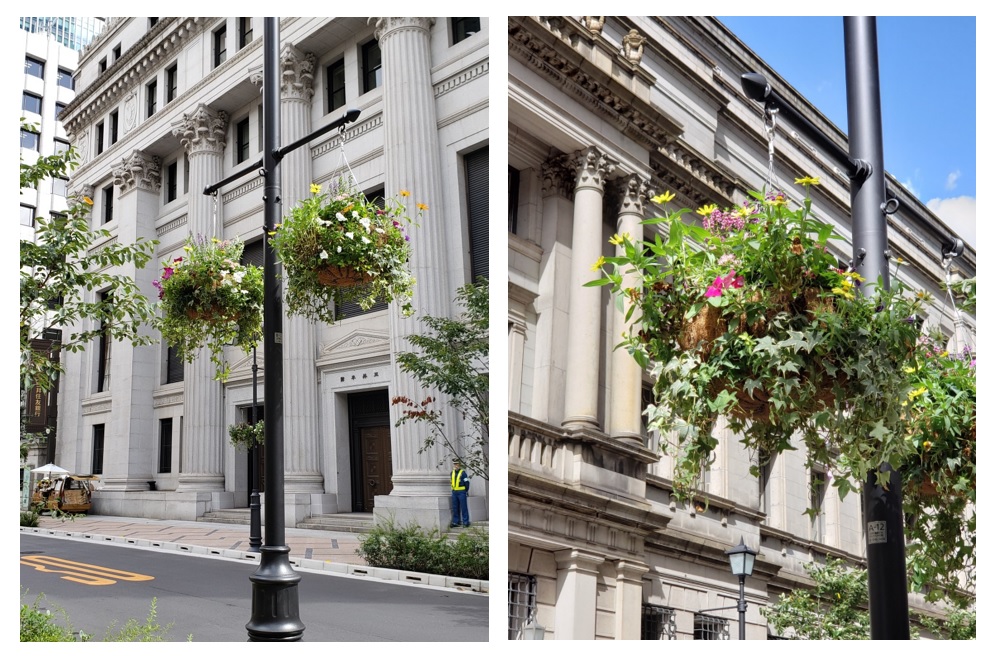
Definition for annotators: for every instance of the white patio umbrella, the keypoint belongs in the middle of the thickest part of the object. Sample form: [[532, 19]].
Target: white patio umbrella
[[50, 469]]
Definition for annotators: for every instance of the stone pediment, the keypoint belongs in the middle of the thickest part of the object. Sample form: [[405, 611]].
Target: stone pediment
[[241, 367], [360, 344]]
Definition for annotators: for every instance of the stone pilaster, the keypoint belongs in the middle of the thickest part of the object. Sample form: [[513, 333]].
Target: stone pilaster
[[203, 135], [585, 319], [629, 598], [420, 491], [625, 374], [577, 574]]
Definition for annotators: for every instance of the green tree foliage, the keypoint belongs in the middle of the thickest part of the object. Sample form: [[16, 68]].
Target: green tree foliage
[[835, 608], [452, 357], [66, 262]]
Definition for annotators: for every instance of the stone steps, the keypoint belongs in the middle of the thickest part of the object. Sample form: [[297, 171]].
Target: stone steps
[[351, 523]]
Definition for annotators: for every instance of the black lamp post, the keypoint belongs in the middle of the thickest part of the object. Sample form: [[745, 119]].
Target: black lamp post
[[741, 564], [254, 505]]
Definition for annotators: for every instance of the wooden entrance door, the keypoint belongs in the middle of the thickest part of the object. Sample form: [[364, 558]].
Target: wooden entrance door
[[371, 448]]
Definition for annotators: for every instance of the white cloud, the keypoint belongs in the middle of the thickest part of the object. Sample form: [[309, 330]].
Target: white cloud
[[951, 180], [908, 185], [960, 214]]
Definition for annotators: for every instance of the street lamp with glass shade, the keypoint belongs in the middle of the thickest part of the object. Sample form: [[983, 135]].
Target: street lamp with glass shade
[[741, 564]]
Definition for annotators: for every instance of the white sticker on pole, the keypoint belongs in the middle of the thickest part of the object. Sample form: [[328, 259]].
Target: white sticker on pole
[[877, 532]]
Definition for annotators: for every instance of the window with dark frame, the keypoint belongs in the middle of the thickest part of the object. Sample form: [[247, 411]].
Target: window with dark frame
[[462, 28], [657, 623], [244, 32], [151, 98], [165, 445], [98, 435], [65, 79], [514, 198], [30, 139], [172, 181], [243, 141], [102, 65], [336, 92], [220, 46], [108, 204], [152, 22], [174, 366], [59, 107], [27, 215], [817, 499], [31, 103], [710, 628], [99, 137], [522, 602], [171, 82], [116, 52], [477, 202], [34, 67], [103, 351], [61, 146], [371, 66], [114, 125]]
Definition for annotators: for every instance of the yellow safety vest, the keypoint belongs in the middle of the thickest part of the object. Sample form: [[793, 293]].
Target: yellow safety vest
[[456, 480]]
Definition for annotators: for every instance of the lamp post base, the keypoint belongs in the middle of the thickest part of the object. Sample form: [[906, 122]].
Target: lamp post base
[[275, 598]]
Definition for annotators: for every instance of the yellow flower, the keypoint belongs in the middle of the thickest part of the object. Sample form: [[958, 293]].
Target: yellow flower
[[87, 200], [422, 206], [598, 263], [926, 445], [403, 192], [706, 210], [908, 370], [215, 240], [778, 200], [915, 393], [807, 181], [843, 292], [618, 239], [314, 188], [666, 197]]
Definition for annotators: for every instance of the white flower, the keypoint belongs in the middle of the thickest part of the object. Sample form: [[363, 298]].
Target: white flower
[[349, 235], [354, 213], [367, 223], [380, 230], [365, 240], [324, 255], [341, 217], [338, 249], [239, 276]]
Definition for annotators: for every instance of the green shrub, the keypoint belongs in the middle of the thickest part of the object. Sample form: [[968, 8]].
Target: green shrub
[[427, 551], [39, 624], [133, 631], [30, 519]]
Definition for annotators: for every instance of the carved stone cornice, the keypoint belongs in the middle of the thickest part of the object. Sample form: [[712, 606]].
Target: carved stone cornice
[[594, 24], [690, 174], [202, 131], [591, 167], [558, 177], [138, 171], [386, 27]]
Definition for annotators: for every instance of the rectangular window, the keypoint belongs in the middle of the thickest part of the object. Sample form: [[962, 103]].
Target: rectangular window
[[31, 103], [60, 187], [152, 21], [514, 198], [99, 137], [522, 602], [171, 181], [817, 499], [59, 107], [114, 125], [244, 32], [220, 46], [371, 66], [657, 624], [61, 146], [103, 65], [29, 139], [165, 445], [477, 202], [243, 141], [108, 204], [103, 346], [174, 367], [27, 215], [97, 449], [65, 79], [709, 628], [462, 28], [34, 67], [171, 82], [335, 85], [116, 52], [185, 174], [151, 98]]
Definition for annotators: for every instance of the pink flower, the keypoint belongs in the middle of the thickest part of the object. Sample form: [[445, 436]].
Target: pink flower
[[167, 274], [732, 280]]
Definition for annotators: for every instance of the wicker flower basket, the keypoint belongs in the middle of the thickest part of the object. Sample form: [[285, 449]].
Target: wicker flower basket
[[342, 276]]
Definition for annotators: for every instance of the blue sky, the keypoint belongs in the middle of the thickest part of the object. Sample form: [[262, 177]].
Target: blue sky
[[928, 95]]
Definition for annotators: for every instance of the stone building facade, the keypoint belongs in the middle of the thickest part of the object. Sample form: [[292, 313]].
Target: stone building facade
[[605, 113], [168, 106]]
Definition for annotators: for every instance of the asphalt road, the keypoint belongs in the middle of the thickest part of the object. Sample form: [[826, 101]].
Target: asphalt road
[[210, 597]]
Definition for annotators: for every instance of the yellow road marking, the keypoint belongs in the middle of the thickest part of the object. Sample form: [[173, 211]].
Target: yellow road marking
[[82, 573]]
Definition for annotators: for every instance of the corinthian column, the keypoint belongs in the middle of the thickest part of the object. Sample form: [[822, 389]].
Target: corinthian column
[[420, 490], [203, 135], [584, 314], [625, 374]]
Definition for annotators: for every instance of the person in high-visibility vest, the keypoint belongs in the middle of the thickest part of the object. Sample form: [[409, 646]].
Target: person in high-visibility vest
[[460, 483]]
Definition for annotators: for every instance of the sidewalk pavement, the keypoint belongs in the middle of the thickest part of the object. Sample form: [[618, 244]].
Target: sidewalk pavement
[[313, 549]]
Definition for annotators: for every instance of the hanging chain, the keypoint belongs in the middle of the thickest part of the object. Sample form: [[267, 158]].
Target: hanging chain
[[216, 210], [770, 121], [344, 159], [953, 303]]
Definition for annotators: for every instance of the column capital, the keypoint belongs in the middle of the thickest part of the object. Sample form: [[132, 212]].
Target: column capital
[[386, 26], [202, 131], [591, 167], [631, 191], [558, 177], [138, 171], [297, 73]]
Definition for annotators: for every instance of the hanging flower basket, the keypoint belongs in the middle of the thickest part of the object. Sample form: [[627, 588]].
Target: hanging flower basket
[[244, 435], [208, 298], [339, 247]]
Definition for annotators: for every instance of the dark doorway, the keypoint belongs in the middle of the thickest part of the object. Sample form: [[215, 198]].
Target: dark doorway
[[260, 410], [371, 448]]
